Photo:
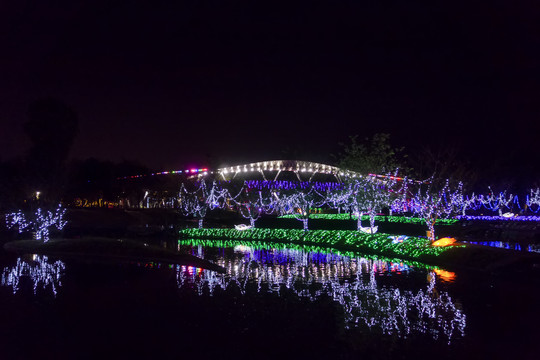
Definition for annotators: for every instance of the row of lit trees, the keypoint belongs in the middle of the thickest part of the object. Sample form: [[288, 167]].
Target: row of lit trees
[[500, 201], [428, 200], [366, 195]]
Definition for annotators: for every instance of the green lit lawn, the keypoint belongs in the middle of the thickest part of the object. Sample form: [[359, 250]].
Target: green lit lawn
[[266, 245], [413, 247], [392, 219]]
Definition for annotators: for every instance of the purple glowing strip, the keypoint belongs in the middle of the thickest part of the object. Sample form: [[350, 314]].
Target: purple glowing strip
[[291, 185], [503, 245], [499, 218]]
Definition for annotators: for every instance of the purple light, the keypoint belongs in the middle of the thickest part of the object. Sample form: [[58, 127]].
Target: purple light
[[499, 218], [293, 185]]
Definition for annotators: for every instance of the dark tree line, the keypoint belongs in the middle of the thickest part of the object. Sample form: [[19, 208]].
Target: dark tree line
[[377, 154], [52, 128], [41, 173]]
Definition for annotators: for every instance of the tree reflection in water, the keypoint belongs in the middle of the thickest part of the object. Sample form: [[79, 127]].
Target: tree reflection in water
[[39, 271], [349, 281]]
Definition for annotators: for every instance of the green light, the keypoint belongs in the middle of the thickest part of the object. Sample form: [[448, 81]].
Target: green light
[[413, 247], [263, 245], [392, 219]]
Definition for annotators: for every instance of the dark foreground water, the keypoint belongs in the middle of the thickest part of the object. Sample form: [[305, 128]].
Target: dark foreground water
[[287, 303]]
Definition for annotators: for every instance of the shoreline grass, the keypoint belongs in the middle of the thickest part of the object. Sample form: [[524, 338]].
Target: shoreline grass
[[106, 249], [378, 218], [413, 247], [465, 257], [265, 245]]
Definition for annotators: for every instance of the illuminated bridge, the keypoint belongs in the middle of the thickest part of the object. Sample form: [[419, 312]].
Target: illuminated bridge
[[271, 170]]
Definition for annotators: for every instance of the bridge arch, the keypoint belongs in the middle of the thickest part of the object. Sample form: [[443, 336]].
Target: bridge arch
[[273, 168]]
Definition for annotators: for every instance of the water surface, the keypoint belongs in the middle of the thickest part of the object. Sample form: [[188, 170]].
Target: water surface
[[272, 301]]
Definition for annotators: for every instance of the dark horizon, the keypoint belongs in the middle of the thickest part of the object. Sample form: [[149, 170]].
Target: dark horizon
[[191, 83]]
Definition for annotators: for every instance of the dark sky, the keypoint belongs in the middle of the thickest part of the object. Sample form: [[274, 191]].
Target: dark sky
[[172, 83]]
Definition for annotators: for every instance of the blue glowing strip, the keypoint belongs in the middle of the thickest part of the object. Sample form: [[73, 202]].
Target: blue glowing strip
[[499, 218], [500, 244]]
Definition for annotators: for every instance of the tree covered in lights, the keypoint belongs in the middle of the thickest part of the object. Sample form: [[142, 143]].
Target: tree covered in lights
[[17, 220], [459, 201], [497, 201], [467, 202], [365, 195], [370, 195], [216, 196], [251, 203], [533, 200], [433, 201], [401, 201], [40, 222], [196, 203], [300, 203]]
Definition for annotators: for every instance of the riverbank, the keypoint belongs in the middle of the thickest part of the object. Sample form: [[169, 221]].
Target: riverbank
[[456, 257], [165, 223], [107, 250]]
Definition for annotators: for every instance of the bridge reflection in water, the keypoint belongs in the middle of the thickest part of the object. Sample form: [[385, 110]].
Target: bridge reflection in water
[[351, 281], [384, 304]]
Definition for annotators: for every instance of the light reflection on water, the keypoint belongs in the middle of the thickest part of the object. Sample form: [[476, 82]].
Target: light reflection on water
[[351, 281], [507, 245], [40, 270]]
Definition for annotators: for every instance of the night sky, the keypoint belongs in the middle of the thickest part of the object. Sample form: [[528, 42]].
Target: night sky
[[178, 83]]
